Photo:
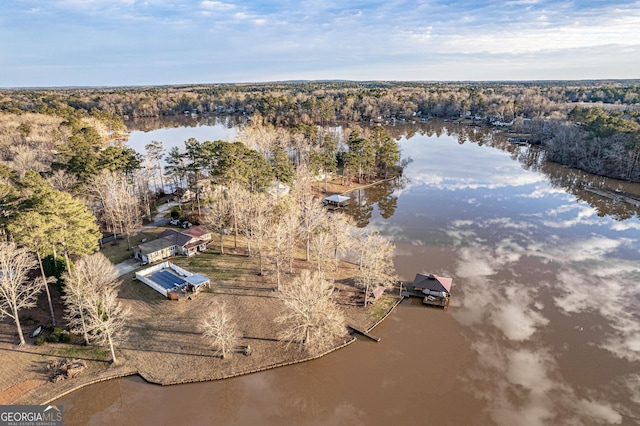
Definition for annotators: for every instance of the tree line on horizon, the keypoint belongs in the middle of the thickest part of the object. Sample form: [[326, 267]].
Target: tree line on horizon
[[320, 102], [549, 109]]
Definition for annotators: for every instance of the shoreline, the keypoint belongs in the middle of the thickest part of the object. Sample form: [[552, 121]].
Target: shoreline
[[157, 382]]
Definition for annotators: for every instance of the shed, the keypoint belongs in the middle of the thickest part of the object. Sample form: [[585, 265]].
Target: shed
[[196, 282], [377, 292]]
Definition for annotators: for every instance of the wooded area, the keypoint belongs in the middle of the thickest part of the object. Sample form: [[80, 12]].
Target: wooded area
[[591, 125]]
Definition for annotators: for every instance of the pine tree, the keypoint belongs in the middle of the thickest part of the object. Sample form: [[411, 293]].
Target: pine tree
[[34, 230]]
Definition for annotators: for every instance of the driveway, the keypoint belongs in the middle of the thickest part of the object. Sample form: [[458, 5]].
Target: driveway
[[127, 266], [130, 265], [159, 219]]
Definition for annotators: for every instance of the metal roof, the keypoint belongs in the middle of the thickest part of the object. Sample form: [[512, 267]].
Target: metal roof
[[336, 198], [433, 282]]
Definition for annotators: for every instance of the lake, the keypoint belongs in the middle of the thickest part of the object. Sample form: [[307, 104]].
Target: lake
[[543, 325]]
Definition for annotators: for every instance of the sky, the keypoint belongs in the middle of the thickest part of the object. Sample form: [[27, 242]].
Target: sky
[[51, 43]]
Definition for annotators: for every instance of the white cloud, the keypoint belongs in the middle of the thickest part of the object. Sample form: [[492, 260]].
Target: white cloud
[[548, 31], [521, 386], [217, 5]]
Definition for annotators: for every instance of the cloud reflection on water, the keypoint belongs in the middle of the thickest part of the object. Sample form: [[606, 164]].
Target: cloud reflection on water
[[526, 385]]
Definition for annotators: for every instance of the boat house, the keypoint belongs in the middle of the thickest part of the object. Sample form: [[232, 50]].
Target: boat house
[[336, 201], [433, 288]]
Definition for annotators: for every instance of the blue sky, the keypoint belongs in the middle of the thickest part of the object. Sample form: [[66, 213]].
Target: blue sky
[[153, 42]]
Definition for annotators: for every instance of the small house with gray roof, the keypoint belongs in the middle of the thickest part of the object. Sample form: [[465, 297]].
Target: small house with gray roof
[[171, 242]]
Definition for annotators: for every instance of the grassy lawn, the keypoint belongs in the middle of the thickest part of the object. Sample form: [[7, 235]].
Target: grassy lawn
[[83, 352], [382, 306], [116, 251], [226, 268]]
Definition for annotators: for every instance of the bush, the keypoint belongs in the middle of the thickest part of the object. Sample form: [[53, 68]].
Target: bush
[[59, 335], [176, 211], [29, 321], [40, 340], [51, 269], [65, 337]]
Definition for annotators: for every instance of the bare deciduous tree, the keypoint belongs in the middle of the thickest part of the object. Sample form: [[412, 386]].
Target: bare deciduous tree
[[17, 291], [219, 328], [312, 215], [341, 240], [376, 263], [90, 276], [62, 181], [311, 316], [106, 319], [262, 207], [33, 230], [119, 204], [282, 235], [320, 243], [236, 196], [291, 220], [217, 216]]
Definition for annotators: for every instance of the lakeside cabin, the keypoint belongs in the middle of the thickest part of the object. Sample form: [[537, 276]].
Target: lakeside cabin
[[336, 201], [435, 290]]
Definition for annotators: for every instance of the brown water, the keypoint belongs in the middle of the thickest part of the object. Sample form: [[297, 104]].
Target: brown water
[[543, 326]]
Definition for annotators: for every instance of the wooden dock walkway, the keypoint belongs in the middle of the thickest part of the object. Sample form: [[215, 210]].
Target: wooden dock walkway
[[439, 302], [364, 333]]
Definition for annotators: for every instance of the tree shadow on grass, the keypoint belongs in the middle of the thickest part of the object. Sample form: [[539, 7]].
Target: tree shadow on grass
[[265, 339], [247, 288], [61, 356]]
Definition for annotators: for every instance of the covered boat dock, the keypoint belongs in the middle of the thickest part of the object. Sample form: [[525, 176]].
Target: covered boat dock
[[433, 289], [336, 201]]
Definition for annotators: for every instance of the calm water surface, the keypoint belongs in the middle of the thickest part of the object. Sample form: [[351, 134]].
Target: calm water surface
[[543, 325]]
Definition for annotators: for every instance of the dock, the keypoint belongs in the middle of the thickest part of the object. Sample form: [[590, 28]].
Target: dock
[[442, 302], [364, 333]]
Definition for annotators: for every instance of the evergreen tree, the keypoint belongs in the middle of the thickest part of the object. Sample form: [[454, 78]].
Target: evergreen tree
[[34, 230], [324, 159], [76, 231], [387, 150], [361, 156], [155, 152]]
